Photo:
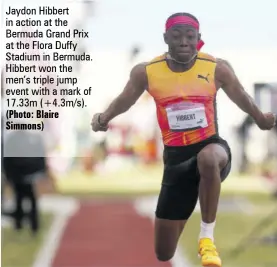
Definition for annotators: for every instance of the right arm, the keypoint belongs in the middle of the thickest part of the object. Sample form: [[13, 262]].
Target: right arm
[[134, 88]]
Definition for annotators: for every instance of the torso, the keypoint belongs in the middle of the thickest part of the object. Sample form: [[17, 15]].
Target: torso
[[185, 101]]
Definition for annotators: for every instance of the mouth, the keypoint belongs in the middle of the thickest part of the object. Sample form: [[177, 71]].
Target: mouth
[[185, 53]]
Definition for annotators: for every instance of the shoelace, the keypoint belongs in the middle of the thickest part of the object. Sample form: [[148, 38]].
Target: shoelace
[[208, 249]]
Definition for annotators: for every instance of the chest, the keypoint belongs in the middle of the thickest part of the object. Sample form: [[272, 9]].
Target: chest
[[181, 85]]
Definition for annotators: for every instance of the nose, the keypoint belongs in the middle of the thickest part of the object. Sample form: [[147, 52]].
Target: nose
[[184, 41]]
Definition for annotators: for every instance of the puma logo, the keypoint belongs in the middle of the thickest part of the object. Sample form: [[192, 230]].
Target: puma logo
[[203, 77]]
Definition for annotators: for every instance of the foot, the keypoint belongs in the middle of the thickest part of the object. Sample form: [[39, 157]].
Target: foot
[[208, 253]]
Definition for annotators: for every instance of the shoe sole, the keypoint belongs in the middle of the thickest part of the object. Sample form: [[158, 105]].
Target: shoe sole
[[209, 265]]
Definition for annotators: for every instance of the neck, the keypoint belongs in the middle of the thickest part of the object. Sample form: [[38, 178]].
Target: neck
[[180, 66], [168, 56]]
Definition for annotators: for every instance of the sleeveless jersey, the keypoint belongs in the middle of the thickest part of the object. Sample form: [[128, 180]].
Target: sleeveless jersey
[[185, 101]]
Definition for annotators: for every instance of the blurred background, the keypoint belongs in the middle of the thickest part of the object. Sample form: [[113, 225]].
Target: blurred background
[[91, 197]]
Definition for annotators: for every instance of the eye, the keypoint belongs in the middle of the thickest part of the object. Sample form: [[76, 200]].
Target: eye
[[176, 34], [191, 36]]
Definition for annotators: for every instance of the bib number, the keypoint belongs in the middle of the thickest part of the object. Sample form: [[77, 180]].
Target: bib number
[[186, 116]]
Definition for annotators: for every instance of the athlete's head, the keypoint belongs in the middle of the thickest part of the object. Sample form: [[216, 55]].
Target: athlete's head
[[182, 36]]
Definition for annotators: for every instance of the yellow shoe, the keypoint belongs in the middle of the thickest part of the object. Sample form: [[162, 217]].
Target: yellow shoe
[[208, 253]]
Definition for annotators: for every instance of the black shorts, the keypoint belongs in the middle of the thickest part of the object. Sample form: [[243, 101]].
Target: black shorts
[[179, 190]]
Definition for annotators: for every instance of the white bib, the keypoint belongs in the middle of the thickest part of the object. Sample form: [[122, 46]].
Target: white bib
[[186, 116]]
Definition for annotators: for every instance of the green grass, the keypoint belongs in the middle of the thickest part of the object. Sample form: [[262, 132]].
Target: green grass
[[231, 228], [20, 249], [138, 180]]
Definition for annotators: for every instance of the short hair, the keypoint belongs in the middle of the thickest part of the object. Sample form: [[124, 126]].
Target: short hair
[[183, 14]]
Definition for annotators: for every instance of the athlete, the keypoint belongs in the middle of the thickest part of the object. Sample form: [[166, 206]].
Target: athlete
[[184, 84]]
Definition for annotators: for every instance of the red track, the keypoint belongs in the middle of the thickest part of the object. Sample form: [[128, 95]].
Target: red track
[[107, 234]]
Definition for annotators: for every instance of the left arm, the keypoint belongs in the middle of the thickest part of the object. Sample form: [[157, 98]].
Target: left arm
[[228, 81]]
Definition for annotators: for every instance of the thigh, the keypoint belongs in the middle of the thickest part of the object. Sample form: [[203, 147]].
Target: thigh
[[177, 202], [179, 191], [28, 189], [17, 188], [19, 196]]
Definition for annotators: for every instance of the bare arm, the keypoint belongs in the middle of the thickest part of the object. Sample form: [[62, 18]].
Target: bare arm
[[134, 88], [228, 81]]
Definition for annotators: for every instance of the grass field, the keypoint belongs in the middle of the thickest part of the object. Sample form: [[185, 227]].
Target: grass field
[[140, 180], [230, 230], [20, 249]]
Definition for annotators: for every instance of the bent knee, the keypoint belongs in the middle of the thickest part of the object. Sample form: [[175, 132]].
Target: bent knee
[[207, 161], [164, 256], [211, 161], [167, 233], [164, 252]]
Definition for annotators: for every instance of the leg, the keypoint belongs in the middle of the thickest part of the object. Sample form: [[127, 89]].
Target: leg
[[18, 214], [213, 165], [211, 161], [33, 214], [177, 200], [3, 183]]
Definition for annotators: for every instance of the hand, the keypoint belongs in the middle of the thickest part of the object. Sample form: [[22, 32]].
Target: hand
[[268, 121], [97, 125]]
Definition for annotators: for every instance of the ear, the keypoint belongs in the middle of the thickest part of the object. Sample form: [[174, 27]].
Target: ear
[[165, 38], [199, 36]]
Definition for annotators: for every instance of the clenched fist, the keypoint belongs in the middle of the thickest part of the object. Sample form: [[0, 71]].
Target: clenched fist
[[97, 125], [268, 121]]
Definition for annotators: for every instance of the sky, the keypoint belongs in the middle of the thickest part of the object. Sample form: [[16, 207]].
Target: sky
[[230, 24]]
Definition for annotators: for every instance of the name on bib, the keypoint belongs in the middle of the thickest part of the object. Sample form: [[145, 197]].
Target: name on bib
[[186, 116]]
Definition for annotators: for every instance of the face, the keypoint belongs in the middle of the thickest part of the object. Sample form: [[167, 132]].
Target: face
[[182, 41]]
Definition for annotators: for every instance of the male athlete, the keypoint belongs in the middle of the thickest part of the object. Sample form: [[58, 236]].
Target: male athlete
[[184, 83]]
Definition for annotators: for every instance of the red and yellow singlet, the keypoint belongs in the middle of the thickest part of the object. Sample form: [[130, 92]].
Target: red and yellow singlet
[[186, 101]]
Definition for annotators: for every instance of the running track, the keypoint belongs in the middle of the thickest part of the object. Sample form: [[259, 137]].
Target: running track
[[107, 234]]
